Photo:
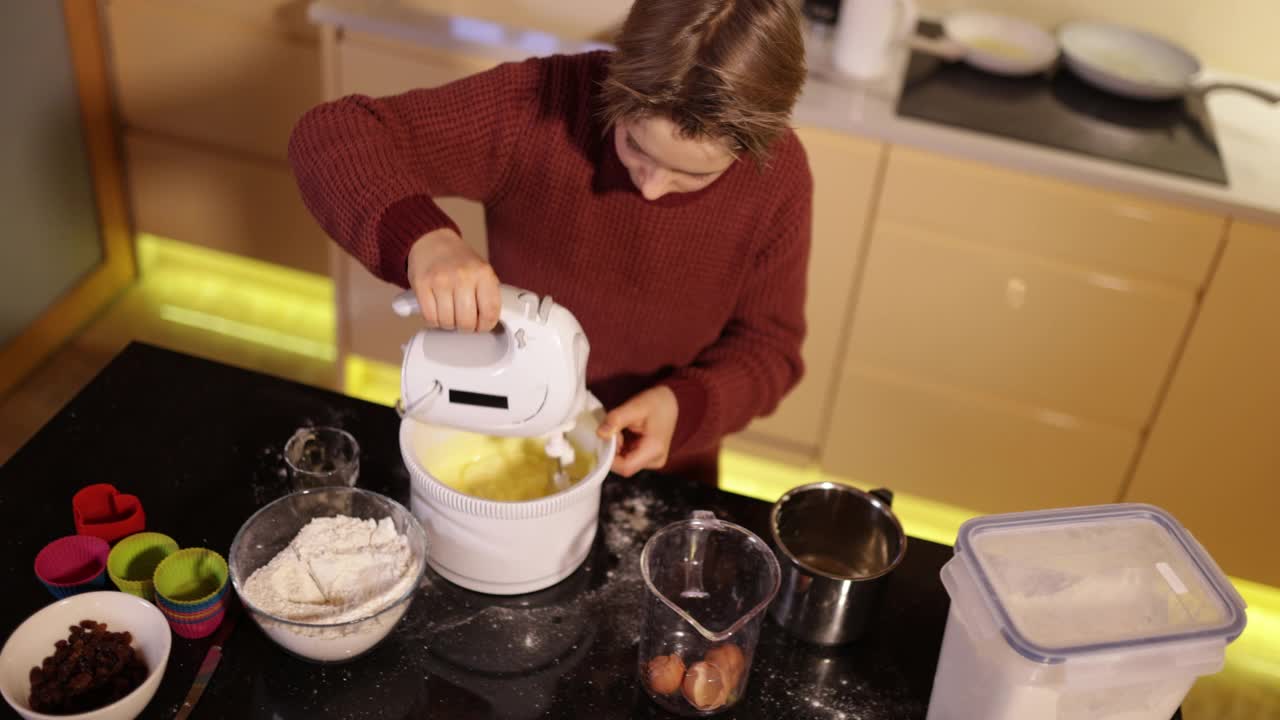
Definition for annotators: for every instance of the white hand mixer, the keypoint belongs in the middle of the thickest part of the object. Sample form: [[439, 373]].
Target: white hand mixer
[[525, 378]]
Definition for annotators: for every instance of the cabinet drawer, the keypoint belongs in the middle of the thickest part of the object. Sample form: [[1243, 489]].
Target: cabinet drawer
[[1212, 458], [370, 66], [283, 16], [186, 73], [968, 450], [844, 173], [237, 205], [1104, 231], [594, 20], [1026, 329]]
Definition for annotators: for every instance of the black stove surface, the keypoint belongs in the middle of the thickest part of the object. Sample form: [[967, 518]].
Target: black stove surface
[[1061, 111]]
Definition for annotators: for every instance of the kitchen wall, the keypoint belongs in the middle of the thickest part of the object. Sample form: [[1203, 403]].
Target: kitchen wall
[[50, 234], [1237, 36]]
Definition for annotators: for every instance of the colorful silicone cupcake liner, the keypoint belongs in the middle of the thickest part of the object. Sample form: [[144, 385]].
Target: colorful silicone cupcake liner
[[104, 512], [191, 577], [72, 564], [133, 561]]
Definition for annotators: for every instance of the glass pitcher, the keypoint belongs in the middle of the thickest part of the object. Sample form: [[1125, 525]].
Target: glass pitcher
[[709, 582]]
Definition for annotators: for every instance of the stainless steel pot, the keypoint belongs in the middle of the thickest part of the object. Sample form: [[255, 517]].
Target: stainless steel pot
[[837, 546]]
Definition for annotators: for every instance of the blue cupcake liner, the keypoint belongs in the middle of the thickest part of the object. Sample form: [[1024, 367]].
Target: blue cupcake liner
[[180, 613], [195, 619], [97, 582], [218, 598]]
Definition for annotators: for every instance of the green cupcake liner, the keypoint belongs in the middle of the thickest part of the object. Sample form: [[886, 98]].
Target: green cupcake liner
[[190, 576], [133, 561]]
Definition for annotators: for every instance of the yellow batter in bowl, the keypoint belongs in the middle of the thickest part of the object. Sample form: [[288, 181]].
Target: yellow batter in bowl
[[511, 469]]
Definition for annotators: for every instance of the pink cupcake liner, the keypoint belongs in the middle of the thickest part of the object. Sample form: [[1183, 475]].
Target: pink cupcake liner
[[72, 560]]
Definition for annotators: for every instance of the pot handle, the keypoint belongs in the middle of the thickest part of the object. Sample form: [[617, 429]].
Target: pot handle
[[1261, 94], [943, 48], [885, 495]]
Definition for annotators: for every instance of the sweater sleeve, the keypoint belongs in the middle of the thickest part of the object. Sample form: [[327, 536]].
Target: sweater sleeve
[[368, 168], [756, 360]]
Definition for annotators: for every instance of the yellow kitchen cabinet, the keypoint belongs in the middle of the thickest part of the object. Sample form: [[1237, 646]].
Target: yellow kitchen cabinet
[[595, 20], [1107, 233], [238, 205], [1011, 336], [283, 16], [185, 72], [970, 450], [373, 66], [1212, 458], [1016, 325], [208, 92], [845, 170]]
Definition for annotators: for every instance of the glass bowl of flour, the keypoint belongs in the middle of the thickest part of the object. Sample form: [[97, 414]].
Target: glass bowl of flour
[[327, 573]]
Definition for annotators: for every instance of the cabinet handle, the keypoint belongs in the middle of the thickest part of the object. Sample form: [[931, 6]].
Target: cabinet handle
[[1015, 293]]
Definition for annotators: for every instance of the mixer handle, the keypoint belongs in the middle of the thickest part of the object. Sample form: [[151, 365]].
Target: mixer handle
[[406, 304], [516, 303]]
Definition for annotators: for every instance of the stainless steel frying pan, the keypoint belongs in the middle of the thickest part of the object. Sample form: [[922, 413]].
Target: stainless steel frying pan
[[1138, 65]]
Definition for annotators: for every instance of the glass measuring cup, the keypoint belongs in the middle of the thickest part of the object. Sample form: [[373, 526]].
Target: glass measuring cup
[[322, 457], [709, 582]]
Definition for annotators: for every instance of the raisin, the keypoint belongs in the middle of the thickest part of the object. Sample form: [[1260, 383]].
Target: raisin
[[92, 668]]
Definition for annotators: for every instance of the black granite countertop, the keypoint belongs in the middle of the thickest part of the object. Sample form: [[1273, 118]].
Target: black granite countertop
[[200, 444]]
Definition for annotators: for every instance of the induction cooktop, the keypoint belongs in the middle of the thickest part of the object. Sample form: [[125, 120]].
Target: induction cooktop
[[1061, 111]]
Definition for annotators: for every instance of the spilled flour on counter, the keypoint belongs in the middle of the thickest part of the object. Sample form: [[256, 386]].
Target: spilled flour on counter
[[629, 525], [335, 570]]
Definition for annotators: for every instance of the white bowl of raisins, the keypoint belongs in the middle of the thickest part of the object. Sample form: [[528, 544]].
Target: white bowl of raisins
[[94, 656]]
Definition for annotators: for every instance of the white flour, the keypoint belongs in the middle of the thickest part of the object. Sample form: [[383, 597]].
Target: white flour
[[337, 569]]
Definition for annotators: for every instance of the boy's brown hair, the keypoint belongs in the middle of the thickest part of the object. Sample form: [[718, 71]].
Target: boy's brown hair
[[729, 69]]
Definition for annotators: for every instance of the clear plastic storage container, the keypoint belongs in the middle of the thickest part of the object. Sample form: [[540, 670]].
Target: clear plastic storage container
[[1097, 613]]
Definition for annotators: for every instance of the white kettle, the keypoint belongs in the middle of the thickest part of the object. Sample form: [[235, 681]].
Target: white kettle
[[867, 32]]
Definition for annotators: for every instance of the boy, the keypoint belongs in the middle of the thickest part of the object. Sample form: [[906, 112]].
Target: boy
[[655, 191]]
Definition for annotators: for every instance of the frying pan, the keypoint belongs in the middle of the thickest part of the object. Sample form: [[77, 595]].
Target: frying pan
[[998, 44], [1138, 65]]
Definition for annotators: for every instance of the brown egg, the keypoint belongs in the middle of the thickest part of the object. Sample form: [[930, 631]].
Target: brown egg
[[664, 674], [705, 687], [730, 660]]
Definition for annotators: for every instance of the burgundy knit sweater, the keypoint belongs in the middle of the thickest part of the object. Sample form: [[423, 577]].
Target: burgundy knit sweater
[[703, 292]]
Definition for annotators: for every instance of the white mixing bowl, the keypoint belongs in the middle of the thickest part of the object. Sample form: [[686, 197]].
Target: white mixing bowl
[[506, 548], [33, 641]]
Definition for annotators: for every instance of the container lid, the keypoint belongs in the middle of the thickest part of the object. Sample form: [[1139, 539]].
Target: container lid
[[1081, 580]]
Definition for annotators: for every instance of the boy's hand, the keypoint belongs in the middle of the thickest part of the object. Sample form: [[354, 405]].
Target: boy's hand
[[456, 288], [646, 423]]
